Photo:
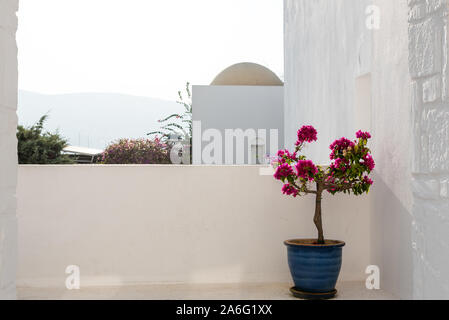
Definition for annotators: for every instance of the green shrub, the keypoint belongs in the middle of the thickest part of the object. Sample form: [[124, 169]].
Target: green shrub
[[38, 147]]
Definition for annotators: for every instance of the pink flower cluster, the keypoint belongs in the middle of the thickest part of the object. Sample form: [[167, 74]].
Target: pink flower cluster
[[306, 134], [363, 135], [289, 190], [282, 154], [283, 171], [306, 169], [351, 163], [136, 151], [368, 161], [341, 144], [367, 180], [341, 164]]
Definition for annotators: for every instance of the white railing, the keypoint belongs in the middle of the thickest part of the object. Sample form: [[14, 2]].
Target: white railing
[[154, 224]]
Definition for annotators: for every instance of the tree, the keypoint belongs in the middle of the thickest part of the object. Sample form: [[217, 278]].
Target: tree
[[37, 147], [178, 127], [351, 162]]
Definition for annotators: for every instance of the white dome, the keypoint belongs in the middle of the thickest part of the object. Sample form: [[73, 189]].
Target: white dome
[[247, 74]]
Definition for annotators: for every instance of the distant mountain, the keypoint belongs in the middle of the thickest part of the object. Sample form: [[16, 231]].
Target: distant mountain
[[95, 119]]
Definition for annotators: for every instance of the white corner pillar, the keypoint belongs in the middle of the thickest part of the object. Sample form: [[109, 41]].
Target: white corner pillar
[[8, 148]]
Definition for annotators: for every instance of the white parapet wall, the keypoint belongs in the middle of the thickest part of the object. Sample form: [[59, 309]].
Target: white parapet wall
[[168, 224], [8, 150]]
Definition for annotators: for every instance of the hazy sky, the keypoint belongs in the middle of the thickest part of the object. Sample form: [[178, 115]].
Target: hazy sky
[[142, 47]]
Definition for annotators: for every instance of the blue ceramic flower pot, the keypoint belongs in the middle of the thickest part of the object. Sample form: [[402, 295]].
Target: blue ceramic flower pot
[[314, 268]]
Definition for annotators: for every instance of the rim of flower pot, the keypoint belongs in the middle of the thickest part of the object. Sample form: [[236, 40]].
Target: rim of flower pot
[[313, 243]]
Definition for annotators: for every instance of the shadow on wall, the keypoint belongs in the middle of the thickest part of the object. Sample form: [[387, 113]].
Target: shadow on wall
[[391, 241]]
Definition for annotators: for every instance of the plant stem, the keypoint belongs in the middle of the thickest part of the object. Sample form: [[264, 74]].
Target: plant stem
[[317, 218]]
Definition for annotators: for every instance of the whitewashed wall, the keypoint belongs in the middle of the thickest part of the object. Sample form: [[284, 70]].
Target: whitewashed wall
[[8, 150], [391, 127], [326, 47], [155, 224], [407, 66]]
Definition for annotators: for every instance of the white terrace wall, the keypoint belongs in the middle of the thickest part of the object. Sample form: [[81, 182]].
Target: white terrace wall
[[8, 150], [155, 224]]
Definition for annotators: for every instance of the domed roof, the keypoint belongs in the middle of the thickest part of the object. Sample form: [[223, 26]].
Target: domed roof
[[247, 74]]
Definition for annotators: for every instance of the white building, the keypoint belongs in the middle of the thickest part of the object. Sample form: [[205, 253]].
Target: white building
[[244, 96]]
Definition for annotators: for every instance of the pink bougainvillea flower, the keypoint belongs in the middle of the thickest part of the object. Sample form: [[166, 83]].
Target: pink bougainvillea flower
[[306, 134], [340, 164], [138, 151], [283, 171], [367, 180], [289, 190], [363, 135], [283, 154], [306, 169], [341, 144], [368, 161]]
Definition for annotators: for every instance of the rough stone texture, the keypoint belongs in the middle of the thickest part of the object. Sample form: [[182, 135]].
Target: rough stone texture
[[8, 158], [429, 68], [425, 51], [417, 11], [432, 89]]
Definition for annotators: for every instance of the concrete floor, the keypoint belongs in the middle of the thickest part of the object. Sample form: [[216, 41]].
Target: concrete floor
[[264, 291]]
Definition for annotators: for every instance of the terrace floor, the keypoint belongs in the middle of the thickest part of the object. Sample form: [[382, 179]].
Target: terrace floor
[[259, 291]]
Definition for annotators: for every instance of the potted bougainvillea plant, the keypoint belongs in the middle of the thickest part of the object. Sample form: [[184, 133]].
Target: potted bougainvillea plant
[[315, 263]]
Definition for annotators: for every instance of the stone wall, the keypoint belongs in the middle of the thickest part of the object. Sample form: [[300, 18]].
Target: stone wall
[[428, 58], [8, 149]]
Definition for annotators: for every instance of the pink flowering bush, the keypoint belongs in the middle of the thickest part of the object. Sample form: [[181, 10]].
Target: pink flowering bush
[[306, 134], [306, 169], [351, 163], [136, 151]]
